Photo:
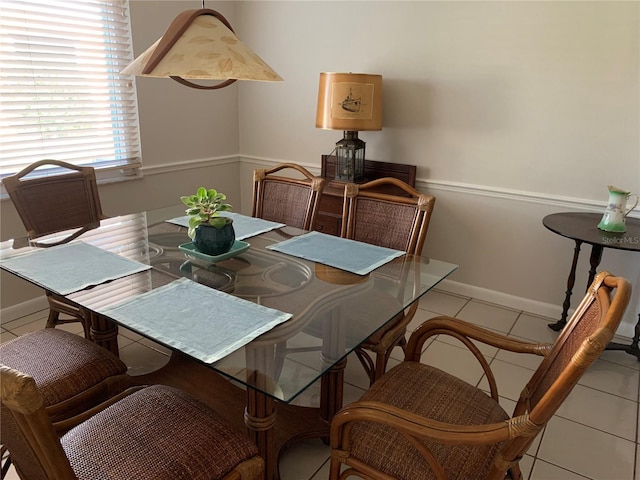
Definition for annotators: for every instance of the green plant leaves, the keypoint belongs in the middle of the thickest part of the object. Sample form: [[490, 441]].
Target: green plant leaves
[[204, 207]]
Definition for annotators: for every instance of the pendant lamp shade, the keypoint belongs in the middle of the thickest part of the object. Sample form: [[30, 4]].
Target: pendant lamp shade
[[200, 44]]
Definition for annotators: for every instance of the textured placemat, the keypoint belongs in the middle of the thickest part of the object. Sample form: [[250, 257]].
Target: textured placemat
[[200, 321]]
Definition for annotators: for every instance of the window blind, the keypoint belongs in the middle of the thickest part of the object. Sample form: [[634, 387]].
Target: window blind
[[61, 94]]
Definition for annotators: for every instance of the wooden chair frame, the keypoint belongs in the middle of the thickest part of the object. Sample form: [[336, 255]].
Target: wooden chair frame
[[20, 395], [72, 405], [265, 176], [32, 198], [38, 203], [565, 362], [413, 244]]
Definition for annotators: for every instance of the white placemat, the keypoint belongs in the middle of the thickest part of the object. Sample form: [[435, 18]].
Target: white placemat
[[72, 267], [350, 255], [243, 225], [200, 321]]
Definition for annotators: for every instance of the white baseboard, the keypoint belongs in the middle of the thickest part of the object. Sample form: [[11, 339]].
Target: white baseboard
[[499, 298], [23, 309], [517, 303]]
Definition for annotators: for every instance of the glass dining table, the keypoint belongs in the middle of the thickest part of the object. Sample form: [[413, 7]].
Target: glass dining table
[[257, 383]]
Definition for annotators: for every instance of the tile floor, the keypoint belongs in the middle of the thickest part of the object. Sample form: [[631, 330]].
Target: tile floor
[[593, 436]]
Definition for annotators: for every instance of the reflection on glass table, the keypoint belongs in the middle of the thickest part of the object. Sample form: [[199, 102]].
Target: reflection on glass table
[[332, 312]]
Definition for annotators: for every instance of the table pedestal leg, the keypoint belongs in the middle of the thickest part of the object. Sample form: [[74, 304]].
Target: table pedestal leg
[[260, 419], [333, 346], [594, 261], [631, 349], [331, 388], [104, 332], [570, 283], [260, 412]]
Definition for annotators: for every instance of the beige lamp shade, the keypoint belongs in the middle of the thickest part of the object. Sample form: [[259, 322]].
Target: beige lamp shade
[[200, 44], [349, 102]]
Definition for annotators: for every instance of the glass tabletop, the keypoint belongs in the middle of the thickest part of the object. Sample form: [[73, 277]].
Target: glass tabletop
[[331, 311]]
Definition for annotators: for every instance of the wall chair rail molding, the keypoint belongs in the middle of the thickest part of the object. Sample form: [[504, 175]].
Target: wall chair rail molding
[[519, 195], [267, 162], [431, 185], [189, 165]]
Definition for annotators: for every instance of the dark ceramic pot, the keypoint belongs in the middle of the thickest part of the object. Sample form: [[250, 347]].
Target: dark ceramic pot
[[214, 241]]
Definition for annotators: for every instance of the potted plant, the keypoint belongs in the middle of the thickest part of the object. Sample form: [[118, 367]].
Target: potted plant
[[211, 233]]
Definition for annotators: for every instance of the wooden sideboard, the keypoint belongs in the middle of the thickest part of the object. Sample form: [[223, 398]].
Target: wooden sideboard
[[329, 218]]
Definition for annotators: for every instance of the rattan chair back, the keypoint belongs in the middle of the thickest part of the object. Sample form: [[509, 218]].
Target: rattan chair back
[[292, 201], [582, 340], [393, 220], [389, 213], [48, 204], [443, 427], [66, 200]]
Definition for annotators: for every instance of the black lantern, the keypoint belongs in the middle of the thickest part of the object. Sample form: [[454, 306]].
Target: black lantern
[[350, 158]]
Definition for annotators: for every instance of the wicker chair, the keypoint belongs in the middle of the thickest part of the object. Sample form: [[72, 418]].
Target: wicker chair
[[72, 373], [56, 203], [417, 422], [155, 432], [397, 220], [291, 201]]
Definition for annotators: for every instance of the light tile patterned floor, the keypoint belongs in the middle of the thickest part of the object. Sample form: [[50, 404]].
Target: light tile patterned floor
[[593, 436]]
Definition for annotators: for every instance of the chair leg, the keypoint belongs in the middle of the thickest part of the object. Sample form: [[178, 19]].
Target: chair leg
[[376, 369], [514, 472], [381, 364], [52, 319], [281, 353], [6, 461], [334, 469], [367, 363], [382, 359], [86, 325]]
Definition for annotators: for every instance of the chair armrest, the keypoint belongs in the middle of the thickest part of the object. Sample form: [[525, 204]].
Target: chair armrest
[[68, 238], [465, 332], [460, 329], [421, 428]]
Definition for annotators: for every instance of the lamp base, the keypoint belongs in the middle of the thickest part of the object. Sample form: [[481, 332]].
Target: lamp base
[[350, 157]]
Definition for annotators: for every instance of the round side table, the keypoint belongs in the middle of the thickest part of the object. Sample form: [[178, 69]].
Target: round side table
[[582, 228]]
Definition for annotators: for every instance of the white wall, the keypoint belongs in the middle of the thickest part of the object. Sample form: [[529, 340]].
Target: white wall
[[510, 110]]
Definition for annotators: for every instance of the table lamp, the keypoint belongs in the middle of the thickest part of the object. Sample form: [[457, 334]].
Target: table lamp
[[350, 102]]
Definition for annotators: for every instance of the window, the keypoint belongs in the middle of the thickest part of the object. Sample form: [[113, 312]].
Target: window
[[61, 94]]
